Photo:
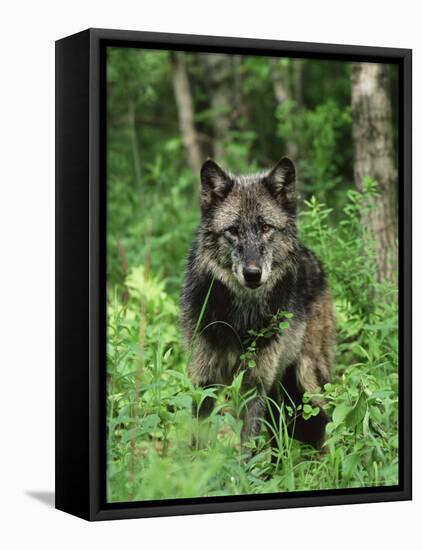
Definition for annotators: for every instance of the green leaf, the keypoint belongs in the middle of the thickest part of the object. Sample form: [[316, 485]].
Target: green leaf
[[356, 415], [150, 423], [350, 463], [315, 411], [365, 424], [330, 427], [286, 314], [376, 414], [167, 355], [340, 413], [181, 401]]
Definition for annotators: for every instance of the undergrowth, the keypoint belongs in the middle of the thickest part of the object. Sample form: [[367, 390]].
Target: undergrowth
[[150, 397]]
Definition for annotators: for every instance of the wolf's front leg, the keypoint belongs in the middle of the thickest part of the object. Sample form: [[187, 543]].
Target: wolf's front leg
[[253, 413], [261, 379], [202, 374]]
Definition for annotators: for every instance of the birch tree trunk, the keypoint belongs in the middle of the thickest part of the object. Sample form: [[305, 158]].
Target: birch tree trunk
[[374, 157], [184, 102]]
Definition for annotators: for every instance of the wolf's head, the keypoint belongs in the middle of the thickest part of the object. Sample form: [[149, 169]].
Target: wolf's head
[[249, 223]]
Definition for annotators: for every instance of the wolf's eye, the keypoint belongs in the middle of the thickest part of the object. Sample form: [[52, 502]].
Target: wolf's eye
[[233, 231], [265, 228]]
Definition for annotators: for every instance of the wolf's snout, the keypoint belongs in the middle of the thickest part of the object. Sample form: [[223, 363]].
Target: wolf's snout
[[252, 275]]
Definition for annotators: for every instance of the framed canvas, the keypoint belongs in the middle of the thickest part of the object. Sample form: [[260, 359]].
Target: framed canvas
[[233, 274]]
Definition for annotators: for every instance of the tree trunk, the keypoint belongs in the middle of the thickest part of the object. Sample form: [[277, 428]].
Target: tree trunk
[[134, 143], [183, 95], [280, 78], [297, 81], [219, 73], [374, 157], [284, 90]]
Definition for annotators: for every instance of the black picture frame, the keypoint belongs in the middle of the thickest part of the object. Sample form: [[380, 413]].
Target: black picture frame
[[80, 273]]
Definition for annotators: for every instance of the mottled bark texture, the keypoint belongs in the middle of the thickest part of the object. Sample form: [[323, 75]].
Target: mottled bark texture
[[285, 90], [185, 107], [374, 157], [219, 74], [287, 86]]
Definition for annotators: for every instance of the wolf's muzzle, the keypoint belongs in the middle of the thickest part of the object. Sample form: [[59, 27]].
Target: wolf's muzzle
[[252, 275]]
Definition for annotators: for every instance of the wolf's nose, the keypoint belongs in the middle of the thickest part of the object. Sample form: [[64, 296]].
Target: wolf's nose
[[252, 274]]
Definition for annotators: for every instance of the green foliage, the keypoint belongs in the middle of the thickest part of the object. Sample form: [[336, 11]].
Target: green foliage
[[277, 325], [316, 132], [361, 446], [152, 204]]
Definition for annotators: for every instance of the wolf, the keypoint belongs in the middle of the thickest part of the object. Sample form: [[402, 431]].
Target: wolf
[[245, 266]]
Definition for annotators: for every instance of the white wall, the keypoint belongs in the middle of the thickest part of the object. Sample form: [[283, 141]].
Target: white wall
[[27, 37]]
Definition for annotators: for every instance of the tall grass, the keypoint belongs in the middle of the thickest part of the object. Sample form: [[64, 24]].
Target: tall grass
[[150, 396]]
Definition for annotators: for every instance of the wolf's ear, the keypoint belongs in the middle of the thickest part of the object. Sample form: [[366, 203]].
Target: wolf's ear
[[215, 183], [280, 182]]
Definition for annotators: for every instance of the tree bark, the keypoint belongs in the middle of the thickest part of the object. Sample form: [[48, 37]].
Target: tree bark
[[285, 90], [134, 143], [184, 101], [219, 73], [374, 157], [297, 81], [280, 78]]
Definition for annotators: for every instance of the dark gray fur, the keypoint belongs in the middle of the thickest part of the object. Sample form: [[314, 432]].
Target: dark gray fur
[[247, 243]]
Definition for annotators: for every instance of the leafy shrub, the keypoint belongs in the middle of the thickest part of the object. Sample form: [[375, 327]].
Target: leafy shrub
[[316, 131], [150, 397]]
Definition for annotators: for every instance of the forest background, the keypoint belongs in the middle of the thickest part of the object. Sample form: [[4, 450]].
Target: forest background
[[167, 112]]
